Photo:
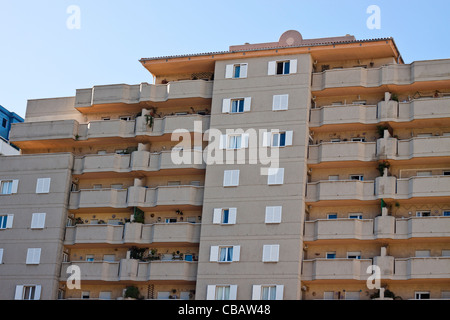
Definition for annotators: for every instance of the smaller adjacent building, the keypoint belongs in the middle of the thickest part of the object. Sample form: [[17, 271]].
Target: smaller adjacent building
[[6, 119]]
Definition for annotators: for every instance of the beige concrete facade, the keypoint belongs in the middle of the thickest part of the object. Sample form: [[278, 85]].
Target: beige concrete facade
[[362, 141]]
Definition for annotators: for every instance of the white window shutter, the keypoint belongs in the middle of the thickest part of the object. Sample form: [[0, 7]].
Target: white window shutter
[[288, 138], [37, 292], [33, 256], [1, 255], [266, 253], [276, 103], [229, 71], [9, 221], [233, 291], [227, 175], [247, 103], [223, 142], [47, 185], [232, 215], [38, 221], [273, 214], [217, 215], [211, 292], [19, 292], [235, 178], [43, 185], [244, 140], [279, 292], [266, 139], [244, 67], [236, 253], [293, 66], [226, 105], [214, 254], [256, 292], [272, 68], [274, 252], [15, 185], [276, 176], [284, 101]]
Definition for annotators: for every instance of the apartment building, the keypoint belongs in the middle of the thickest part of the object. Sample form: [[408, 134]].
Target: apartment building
[[279, 170]]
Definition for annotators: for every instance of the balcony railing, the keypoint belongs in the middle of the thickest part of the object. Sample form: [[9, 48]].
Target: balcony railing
[[342, 151], [340, 190], [384, 111], [382, 227], [137, 196], [136, 161], [133, 270], [393, 74], [136, 233], [331, 269], [144, 92]]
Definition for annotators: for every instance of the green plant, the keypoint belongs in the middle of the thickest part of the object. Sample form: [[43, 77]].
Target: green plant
[[383, 165], [137, 253], [149, 120], [132, 292], [380, 130], [138, 215], [394, 97]]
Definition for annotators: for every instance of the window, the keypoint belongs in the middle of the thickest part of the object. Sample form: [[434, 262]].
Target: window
[[8, 186], [234, 142], [423, 213], [238, 105], [424, 173], [328, 295], [354, 255], [173, 183], [271, 252], [352, 295], [97, 186], [28, 292], [282, 67], [236, 71], [106, 118], [225, 253], [171, 220], [267, 292], [358, 177], [355, 216], [331, 216], [275, 176], [90, 257], [446, 173], [333, 178], [109, 257], [1, 255], [273, 214], [280, 102], [359, 139], [423, 253], [446, 213], [424, 135], [445, 253], [38, 221], [117, 186], [101, 152], [277, 138], [85, 295], [331, 255], [222, 293], [33, 256], [43, 185], [224, 216], [6, 221], [105, 295], [231, 178], [421, 295], [4, 122], [126, 118], [335, 140]]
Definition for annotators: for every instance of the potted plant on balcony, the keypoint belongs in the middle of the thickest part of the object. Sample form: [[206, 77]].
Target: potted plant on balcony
[[132, 293], [383, 165], [138, 215], [137, 253]]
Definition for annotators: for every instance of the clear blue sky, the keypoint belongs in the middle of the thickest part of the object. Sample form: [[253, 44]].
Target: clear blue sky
[[41, 58]]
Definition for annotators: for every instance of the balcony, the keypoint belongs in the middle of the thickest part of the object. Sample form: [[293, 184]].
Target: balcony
[[342, 151], [384, 111], [136, 233], [133, 270], [168, 124], [391, 148], [414, 187], [144, 92], [98, 198], [421, 268], [165, 196], [382, 227], [340, 190], [137, 161], [44, 130], [335, 269], [394, 74]]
